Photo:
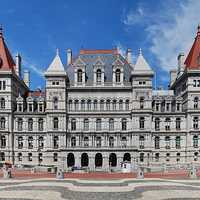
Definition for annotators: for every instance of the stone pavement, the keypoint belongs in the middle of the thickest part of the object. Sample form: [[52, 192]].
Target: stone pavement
[[76, 189]]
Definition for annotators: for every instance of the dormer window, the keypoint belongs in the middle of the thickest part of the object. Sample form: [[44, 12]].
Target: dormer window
[[98, 76], [117, 75], [40, 107], [20, 108], [30, 107], [80, 78]]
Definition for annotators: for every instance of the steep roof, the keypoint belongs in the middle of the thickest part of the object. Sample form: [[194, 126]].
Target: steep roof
[[6, 61], [193, 59], [141, 65], [56, 67]]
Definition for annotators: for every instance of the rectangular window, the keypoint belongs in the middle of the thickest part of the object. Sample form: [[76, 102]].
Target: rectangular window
[[30, 157], [4, 85], [194, 83]]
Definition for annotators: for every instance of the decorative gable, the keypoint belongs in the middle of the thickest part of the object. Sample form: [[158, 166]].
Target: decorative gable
[[79, 62]]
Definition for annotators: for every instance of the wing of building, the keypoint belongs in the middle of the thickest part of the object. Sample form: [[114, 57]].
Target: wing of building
[[99, 110]]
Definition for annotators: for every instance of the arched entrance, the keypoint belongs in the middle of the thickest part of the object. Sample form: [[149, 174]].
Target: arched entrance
[[70, 160], [98, 160], [127, 157], [113, 160], [84, 160]]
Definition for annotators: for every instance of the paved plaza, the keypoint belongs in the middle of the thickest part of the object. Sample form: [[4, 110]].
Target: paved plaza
[[80, 189]]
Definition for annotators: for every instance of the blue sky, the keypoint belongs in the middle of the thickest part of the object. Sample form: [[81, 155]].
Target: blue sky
[[161, 28]]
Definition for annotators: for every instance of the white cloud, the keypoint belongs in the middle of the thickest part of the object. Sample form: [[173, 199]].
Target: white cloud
[[169, 31]]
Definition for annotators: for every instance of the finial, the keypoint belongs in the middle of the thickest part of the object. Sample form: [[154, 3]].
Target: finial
[[57, 51], [140, 51]]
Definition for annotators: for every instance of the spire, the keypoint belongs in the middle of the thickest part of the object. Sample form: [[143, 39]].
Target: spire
[[193, 59]]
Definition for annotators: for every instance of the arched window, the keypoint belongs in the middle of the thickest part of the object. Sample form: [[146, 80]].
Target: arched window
[[124, 124], [98, 124], [2, 156], [108, 105], [30, 124], [55, 142], [141, 141], [20, 124], [55, 103], [40, 124], [76, 102], [127, 104], [102, 104], [19, 156], [178, 142], [86, 124], [167, 142], [195, 141], [141, 102], [141, 157], [89, 105], [95, 104], [41, 142], [98, 141], [2, 123], [114, 104], [73, 124], [98, 76], [157, 156], [157, 124], [120, 104], [117, 75], [195, 122], [124, 141], [55, 123], [167, 126], [178, 123], [20, 142], [196, 101], [111, 141], [80, 76], [178, 157], [3, 141], [73, 141], [30, 142], [111, 124], [55, 157], [70, 105], [2, 103], [141, 121], [82, 105], [157, 142], [86, 141]]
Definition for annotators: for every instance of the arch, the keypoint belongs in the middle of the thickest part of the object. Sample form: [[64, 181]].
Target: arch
[[113, 160], [79, 75], [98, 75], [98, 160], [84, 160], [127, 157], [55, 123], [117, 75], [70, 160]]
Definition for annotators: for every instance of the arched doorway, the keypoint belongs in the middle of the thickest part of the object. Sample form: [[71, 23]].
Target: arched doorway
[[98, 160], [113, 160], [70, 160], [127, 157], [84, 160]]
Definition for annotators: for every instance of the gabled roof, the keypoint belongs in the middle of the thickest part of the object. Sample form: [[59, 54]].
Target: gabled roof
[[193, 59], [56, 67], [6, 61], [99, 61], [141, 65]]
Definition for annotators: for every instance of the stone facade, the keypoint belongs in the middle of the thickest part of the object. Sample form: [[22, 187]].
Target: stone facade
[[98, 111]]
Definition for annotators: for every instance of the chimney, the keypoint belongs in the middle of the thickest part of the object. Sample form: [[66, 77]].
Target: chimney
[[69, 56], [181, 66], [129, 55], [173, 74], [26, 78], [18, 64]]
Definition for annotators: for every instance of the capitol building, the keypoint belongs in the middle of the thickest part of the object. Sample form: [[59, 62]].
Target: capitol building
[[98, 110]]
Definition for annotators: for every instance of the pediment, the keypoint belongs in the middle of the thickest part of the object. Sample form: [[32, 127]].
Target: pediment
[[79, 62], [118, 62]]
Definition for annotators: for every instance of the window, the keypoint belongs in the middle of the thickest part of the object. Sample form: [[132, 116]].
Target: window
[[86, 141], [120, 104], [30, 142], [95, 104], [124, 124], [73, 124], [178, 106], [114, 104], [98, 124], [55, 157], [195, 122], [55, 123], [102, 105], [167, 157], [141, 102], [167, 106], [141, 157], [2, 103], [2, 156], [167, 142], [2, 123], [89, 105], [20, 142], [76, 105], [55, 103], [55, 142], [40, 159], [30, 124], [20, 124], [20, 157], [141, 141], [194, 83], [80, 76], [98, 141], [86, 125], [195, 156], [117, 75], [98, 76], [178, 142], [73, 142], [2, 85], [82, 105], [127, 104], [70, 105], [108, 105], [40, 124], [157, 142], [20, 108], [3, 141], [30, 157], [195, 141], [196, 100], [111, 141], [157, 124], [124, 141], [157, 156], [167, 126], [30, 107], [178, 123], [111, 124], [157, 106], [141, 121], [178, 157], [41, 142]]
